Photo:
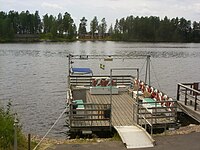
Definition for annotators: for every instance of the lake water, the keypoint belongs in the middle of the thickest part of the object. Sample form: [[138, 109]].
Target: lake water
[[33, 76]]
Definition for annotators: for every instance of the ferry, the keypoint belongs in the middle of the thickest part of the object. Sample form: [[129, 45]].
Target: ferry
[[103, 103]]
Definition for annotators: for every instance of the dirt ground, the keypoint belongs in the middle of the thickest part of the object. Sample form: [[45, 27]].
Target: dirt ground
[[185, 138]]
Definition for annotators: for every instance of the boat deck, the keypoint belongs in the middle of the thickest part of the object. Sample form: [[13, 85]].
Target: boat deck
[[98, 113], [124, 110], [122, 107]]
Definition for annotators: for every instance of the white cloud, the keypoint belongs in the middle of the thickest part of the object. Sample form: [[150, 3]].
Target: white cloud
[[110, 9], [51, 5], [196, 8]]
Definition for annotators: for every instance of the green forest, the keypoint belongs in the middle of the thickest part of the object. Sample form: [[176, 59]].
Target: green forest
[[25, 26]]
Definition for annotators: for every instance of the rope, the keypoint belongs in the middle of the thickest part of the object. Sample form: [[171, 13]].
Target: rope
[[140, 72], [142, 66], [155, 76], [50, 128]]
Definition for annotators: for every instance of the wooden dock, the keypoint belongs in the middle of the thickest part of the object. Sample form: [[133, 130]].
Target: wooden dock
[[124, 111], [100, 103], [188, 96], [103, 111], [122, 107]]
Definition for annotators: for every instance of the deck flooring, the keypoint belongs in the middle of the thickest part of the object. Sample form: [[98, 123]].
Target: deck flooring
[[122, 107], [123, 112], [189, 109]]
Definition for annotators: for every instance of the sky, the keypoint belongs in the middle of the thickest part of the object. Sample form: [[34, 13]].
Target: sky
[[108, 9]]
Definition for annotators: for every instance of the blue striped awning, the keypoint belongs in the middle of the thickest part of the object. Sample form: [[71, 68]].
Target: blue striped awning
[[81, 70]]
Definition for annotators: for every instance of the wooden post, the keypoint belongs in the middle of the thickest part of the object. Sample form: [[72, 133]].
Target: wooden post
[[191, 87], [70, 114], [15, 132], [175, 111], [178, 94], [185, 96], [29, 141], [147, 69], [165, 129], [155, 111], [111, 79], [137, 103], [145, 120], [196, 87], [195, 102], [151, 129]]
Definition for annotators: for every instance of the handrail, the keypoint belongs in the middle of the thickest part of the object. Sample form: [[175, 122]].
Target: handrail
[[189, 88], [89, 112], [146, 121], [186, 94], [152, 115], [86, 80], [105, 75], [86, 57], [150, 124]]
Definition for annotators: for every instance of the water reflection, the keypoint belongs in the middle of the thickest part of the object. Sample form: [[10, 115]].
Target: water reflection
[[165, 54]]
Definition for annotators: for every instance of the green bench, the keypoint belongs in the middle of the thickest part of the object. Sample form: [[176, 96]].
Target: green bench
[[149, 103], [79, 104]]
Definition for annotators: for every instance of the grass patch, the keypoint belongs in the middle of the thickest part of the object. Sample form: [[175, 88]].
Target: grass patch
[[116, 137], [7, 131]]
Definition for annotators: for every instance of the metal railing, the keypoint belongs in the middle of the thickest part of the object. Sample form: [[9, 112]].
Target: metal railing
[[88, 80], [186, 92], [156, 114], [89, 115], [145, 121]]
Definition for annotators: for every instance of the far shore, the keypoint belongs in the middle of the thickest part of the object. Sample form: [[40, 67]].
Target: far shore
[[38, 40]]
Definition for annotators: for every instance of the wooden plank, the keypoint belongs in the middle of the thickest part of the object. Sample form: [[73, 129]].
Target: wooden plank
[[122, 110], [188, 109]]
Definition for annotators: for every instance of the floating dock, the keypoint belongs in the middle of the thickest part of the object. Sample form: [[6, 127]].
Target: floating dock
[[188, 98], [101, 103]]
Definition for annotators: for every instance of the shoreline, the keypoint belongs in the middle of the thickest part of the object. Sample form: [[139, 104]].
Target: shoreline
[[2, 41], [48, 143]]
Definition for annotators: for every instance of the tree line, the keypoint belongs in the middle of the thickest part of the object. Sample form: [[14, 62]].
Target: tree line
[[63, 27], [154, 29], [97, 30], [25, 23]]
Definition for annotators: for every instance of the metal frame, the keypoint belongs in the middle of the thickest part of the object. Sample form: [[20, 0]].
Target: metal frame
[[185, 91], [86, 57]]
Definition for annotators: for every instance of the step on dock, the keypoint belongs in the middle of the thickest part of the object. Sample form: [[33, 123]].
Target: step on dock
[[134, 137]]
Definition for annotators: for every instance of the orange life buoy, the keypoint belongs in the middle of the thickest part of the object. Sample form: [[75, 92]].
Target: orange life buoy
[[142, 86], [155, 94], [150, 90], [94, 82], [171, 104], [98, 82]]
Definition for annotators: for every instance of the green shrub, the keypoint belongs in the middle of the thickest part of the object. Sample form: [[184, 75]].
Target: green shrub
[[7, 131]]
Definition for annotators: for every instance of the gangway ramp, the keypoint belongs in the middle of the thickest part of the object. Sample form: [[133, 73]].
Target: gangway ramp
[[134, 137]]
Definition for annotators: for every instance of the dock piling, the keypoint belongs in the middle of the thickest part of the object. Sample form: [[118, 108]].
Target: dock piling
[[29, 141]]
